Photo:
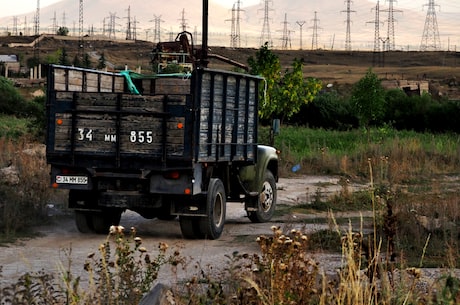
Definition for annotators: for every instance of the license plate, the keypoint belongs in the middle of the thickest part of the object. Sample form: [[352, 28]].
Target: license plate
[[72, 179]]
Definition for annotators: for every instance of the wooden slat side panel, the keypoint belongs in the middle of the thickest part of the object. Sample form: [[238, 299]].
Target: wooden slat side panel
[[229, 102], [79, 80], [172, 86], [138, 133]]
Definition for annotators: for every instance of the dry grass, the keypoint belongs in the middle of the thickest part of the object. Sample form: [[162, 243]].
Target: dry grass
[[25, 192]]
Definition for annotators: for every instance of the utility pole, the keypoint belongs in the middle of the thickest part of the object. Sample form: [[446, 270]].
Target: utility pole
[[430, 37], [266, 34], [301, 23], [348, 21]]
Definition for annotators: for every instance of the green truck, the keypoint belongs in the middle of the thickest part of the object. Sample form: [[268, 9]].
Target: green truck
[[167, 146]]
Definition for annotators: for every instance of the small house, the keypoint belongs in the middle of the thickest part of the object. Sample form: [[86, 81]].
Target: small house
[[10, 63]]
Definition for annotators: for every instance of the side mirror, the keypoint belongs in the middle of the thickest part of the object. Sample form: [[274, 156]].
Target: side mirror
[[276, 126]]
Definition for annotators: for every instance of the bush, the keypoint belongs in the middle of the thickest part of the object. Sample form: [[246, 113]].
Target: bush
[[23, 198], [11, 101]]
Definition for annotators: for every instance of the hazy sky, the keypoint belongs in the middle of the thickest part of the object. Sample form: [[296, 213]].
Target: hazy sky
[[19, 7], [409, 19]]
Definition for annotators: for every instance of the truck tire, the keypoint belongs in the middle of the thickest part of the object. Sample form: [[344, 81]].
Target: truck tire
[[190, 227], [104, 219], [212, 225], [82, 200], [83, 222], [266, 202]]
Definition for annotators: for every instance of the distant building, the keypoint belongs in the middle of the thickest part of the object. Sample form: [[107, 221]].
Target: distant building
[[11, 64], [410, 87]]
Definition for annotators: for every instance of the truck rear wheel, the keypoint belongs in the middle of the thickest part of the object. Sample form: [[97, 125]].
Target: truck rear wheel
[[104, 219], [83, 222], [212, 225], [190, 227], [266, 201]]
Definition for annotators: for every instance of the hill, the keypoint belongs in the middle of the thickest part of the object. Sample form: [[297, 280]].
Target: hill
[[441, 69], [101, 15]]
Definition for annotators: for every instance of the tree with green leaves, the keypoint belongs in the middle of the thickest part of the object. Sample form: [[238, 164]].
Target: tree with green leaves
[[63, 57], [295, 91], [11, 102], [283, 94], [266, 64], [86, 61], [368, 100], [62, 31]]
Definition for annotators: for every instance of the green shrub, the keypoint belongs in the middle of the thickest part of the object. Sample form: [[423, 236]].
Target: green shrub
[[11, 101]]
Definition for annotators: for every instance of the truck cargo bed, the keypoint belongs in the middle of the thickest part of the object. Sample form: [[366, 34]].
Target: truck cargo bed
[[94, 122]]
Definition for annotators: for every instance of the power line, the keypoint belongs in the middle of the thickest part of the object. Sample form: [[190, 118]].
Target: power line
[[430, 38]]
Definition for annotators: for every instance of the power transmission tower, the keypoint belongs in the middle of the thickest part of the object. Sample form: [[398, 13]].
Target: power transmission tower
[[348, 21], [235, 38], [376, 22], [112, 25], [157, 28], [26, 27], [430, 38], [233, 35], [37, 20], [63, 20], [266, 34], [134, 30], [15, 26], [195, 33], [391, 25], [80, 29], [314, 40], [300, 24], [54, 27], [183, 21], [286, 39], [129, 35], [37, 32]]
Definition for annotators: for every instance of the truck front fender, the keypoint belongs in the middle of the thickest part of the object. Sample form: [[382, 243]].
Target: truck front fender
[[252, 176]]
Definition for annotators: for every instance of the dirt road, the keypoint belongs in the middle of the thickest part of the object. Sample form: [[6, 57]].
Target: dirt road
[[48, 252]]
